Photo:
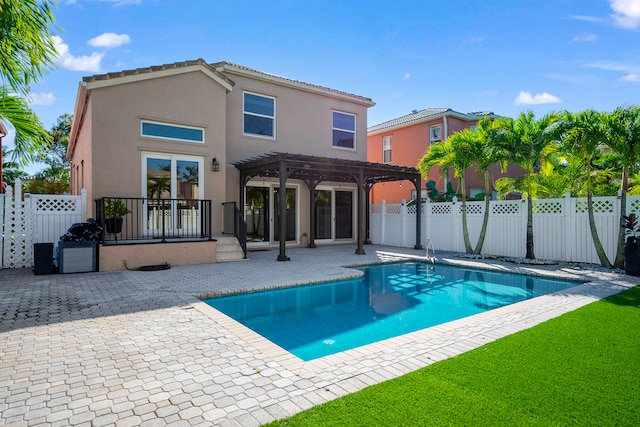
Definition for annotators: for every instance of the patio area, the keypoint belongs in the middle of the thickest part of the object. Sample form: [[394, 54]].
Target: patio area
[[138, 348]]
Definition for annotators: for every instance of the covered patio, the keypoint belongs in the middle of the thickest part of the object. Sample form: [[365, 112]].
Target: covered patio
[[313, 170]]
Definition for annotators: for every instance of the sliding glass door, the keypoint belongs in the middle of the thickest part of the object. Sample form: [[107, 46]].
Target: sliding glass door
[[334, 214], [262, 213]]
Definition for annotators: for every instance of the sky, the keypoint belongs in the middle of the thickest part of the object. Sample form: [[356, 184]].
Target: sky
[[503, 56]]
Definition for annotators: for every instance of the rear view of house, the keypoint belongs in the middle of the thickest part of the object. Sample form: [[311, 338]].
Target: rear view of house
[[183, 144]]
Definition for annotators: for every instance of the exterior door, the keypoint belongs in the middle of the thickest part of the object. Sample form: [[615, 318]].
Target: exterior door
[[334, 216], [262, 213], [173, 190]]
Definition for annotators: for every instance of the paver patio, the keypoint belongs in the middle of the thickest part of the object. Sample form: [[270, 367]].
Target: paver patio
[[138, 348]]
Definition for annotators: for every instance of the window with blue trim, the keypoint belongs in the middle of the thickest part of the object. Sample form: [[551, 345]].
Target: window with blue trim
[[344, 130], [259, 115], [177, 133]]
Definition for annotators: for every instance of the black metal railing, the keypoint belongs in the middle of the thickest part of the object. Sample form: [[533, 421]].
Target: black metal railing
[[234, 223], [129, 218]]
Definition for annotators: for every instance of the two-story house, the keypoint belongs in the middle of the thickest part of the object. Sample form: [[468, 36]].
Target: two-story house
[[405, 140], [166, 138]]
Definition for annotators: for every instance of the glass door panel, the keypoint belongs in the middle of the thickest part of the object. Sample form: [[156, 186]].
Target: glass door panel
[[322, 226], [291, 203], [158, 212], [344, 214], [256, 213], [187, 191]]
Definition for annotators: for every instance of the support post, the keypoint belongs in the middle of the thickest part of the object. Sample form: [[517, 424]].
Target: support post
[[282, 256], [361, 216], [312, 184]]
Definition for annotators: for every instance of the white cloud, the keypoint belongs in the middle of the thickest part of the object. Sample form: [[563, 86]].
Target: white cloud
[[45, 98], [474, 40], [626, 13], [592, 19], [526, 98], [613, 66], [407, 76], [633, 77], [68, 61], [109, 40], [585, 37]]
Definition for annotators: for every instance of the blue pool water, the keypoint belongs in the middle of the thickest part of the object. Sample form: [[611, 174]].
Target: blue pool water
[[389, 300]]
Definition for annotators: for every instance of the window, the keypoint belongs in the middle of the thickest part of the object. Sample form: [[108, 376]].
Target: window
[[473, 128], [386, 149], [344, 130], [435, 134], [173, 132], [259, 115]]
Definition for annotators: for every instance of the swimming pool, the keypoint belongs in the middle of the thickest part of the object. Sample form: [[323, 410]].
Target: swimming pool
[[389, 300]]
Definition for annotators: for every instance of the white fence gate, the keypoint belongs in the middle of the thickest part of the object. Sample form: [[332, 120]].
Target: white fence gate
[[39, 218], [560, 226]]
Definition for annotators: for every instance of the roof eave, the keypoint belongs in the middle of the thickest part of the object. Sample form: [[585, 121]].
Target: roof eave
[[227, 67], [449, 113]]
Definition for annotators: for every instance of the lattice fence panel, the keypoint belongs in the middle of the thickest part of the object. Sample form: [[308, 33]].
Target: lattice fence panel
[[441, 209], [505, 208], [393, 209], [599, 206], [547, 207]]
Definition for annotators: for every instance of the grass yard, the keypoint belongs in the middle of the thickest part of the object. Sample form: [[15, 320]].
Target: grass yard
[[581, 369]]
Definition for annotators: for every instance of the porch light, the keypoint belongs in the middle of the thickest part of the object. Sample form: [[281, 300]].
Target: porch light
[[215, 166]]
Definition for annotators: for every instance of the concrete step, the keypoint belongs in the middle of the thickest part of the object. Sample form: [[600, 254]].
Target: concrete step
[[228, 249]]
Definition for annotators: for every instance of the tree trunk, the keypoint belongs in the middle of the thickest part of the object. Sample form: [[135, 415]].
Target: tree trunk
[[530, 254], [465, 229], [485, 218], [604, 261], [619, 262]]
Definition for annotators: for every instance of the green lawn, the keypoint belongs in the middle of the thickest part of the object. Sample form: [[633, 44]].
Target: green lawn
[[580, 369]]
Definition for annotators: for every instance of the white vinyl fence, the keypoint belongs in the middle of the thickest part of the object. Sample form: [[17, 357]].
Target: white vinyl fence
[[560, 226], [39, 218]]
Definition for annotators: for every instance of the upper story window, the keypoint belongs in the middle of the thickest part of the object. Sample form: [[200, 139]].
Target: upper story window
[[435, 134], [344, 130], [259, 115], [172, 132], [473, 128], [386, 149]]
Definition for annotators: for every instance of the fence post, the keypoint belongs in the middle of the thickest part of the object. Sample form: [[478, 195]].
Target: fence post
[[383, 220], [567, 213], [403, 223]]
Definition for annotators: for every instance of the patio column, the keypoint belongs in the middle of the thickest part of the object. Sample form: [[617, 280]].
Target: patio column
[[312, 184], [361, 217], [282, 256], [368, 187]]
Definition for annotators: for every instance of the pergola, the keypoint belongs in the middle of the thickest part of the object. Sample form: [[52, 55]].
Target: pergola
[[313, 170]]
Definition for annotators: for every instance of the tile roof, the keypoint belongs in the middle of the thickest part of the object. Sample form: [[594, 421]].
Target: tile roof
[[219, 68], [153, 68], [424, 115], [223, 64]]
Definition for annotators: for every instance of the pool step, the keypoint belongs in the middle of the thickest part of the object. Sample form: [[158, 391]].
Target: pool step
[[228, 249]]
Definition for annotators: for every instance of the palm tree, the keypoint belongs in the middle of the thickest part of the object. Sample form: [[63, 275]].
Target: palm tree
[[583, 135], [28, 51], [452, 153], [484, 152], [525, 143], [623, 137]]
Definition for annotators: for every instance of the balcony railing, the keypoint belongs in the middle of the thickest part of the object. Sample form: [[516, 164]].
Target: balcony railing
[[153, 219]]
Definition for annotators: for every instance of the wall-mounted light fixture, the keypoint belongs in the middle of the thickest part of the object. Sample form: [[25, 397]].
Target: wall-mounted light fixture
[[215, 166]]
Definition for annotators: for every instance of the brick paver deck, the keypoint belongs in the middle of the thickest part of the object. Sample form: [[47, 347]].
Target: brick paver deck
[[138, 348]]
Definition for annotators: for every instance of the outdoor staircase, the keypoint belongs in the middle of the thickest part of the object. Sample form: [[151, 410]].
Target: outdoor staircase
[[228, 249]]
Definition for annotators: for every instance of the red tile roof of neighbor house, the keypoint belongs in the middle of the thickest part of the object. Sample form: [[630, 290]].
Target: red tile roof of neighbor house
[[219, 68], [426, 115]]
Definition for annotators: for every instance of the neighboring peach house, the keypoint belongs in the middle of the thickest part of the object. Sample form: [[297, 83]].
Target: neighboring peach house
[[406, 139], [194, 131]]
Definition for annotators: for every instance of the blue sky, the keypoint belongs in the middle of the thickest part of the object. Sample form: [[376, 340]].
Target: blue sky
[[504, 56]]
